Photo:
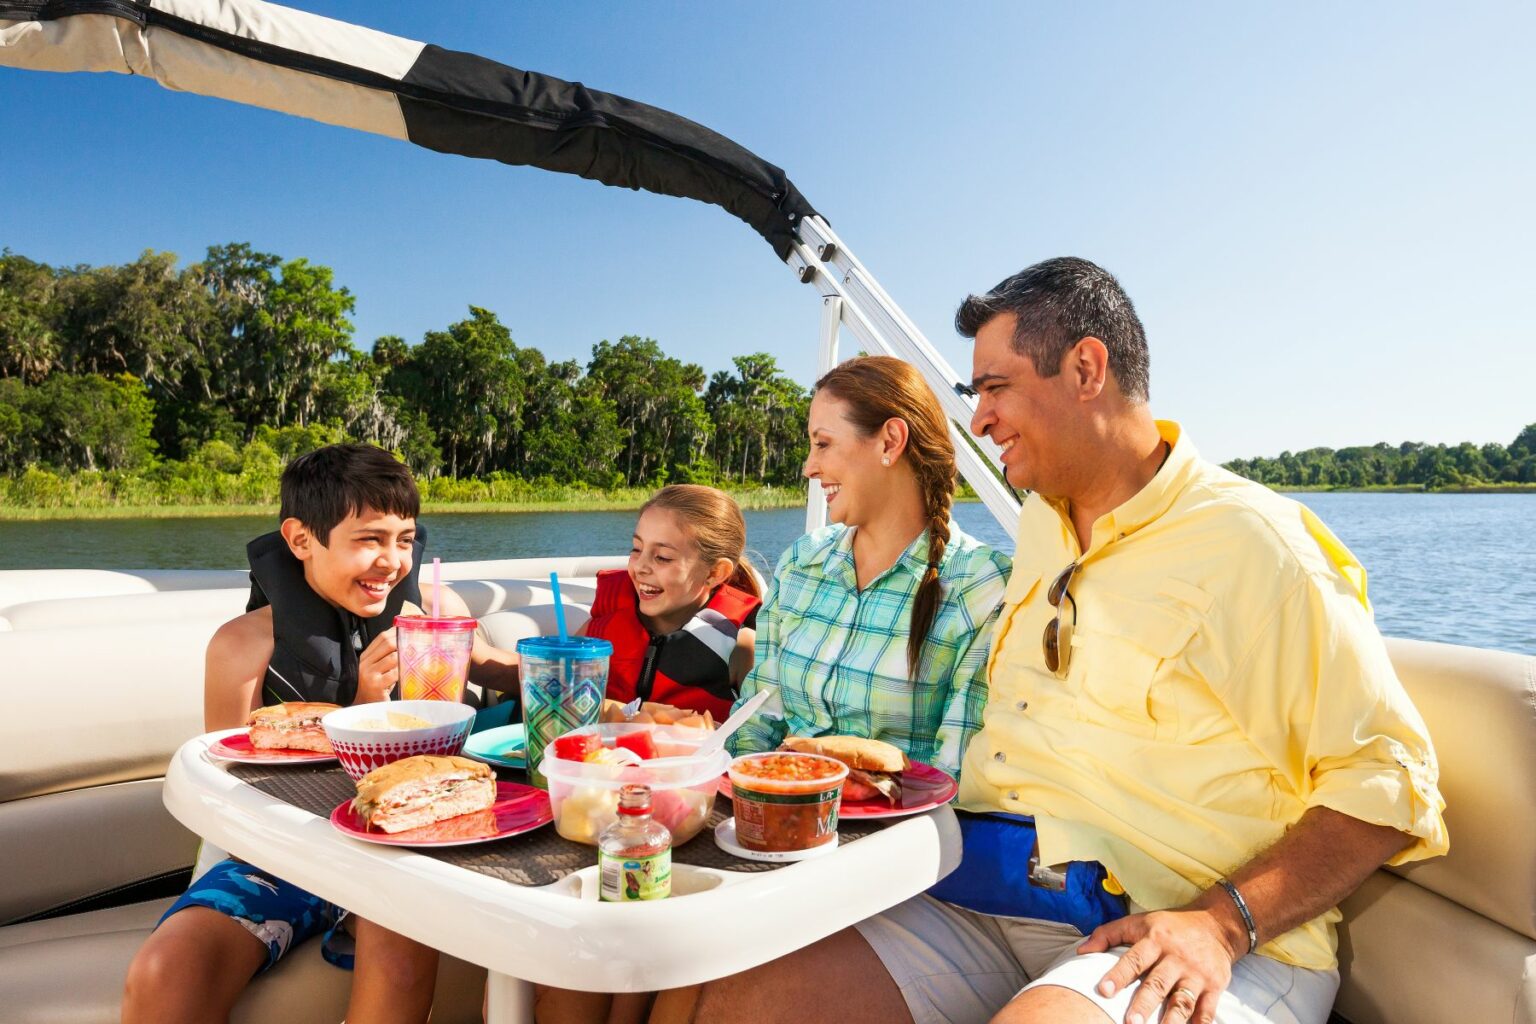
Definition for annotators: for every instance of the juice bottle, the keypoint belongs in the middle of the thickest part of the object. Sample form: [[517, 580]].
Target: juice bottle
[[634, 854]]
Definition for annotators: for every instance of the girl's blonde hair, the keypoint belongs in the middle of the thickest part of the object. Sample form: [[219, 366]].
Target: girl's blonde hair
[[715, 521], [880, 388]]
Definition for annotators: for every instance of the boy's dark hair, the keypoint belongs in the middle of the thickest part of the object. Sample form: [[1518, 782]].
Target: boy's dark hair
[[322, 488], [1059, 302]]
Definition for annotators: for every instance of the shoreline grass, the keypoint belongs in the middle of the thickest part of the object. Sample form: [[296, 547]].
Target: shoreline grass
[[622, 501], [1406, 489], [629, 499]]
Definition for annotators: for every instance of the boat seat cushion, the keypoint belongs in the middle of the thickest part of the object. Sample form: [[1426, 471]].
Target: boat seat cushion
[[1480, 707], [70, 970], [505, 629]]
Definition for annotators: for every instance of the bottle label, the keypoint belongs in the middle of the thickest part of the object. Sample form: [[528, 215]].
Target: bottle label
[[625, 879]]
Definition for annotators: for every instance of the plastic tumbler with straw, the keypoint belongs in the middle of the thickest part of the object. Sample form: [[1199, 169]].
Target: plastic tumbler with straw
[[434, 650], [564, 679]]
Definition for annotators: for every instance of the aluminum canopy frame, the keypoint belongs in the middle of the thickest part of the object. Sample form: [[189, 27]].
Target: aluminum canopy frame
[[298, 63]]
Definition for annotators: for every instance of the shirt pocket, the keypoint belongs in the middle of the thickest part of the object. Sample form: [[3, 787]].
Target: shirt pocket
[[1121, 648], [1021, 586]]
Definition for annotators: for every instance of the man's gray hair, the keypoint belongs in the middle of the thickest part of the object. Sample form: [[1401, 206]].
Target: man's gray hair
[[1059, 302]]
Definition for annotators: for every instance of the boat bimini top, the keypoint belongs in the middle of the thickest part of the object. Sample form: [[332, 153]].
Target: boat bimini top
[[298, 63]]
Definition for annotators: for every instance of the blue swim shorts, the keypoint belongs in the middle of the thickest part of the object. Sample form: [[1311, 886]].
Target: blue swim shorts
[[277, 913]]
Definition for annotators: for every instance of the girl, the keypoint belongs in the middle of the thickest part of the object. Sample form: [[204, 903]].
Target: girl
[[680, 620], [680, 617]]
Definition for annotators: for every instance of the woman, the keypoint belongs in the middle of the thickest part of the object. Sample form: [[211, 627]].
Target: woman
[[878, 625]]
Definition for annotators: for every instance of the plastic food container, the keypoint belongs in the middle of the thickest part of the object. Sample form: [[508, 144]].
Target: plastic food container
[[360, 751], [786, 802], [585, 797]]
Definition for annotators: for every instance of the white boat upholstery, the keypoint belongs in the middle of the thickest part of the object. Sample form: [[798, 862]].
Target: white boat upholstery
[[121, 609], [18, 585], [30, 588], [70, 970], [1454, 939], [94, 716]]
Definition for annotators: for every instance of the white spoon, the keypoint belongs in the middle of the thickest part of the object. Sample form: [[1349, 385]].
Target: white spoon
[[716, 740]]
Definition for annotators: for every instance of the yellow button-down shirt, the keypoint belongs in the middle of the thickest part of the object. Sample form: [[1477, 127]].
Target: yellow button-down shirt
[[1225, 676]]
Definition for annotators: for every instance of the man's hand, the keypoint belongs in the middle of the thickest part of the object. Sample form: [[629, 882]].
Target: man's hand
[[1183, 957], [378, 669]]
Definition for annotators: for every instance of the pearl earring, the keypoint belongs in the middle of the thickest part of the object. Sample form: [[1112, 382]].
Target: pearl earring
[[886, 461]]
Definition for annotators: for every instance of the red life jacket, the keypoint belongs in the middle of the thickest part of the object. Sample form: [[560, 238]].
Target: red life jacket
[[689, 668]]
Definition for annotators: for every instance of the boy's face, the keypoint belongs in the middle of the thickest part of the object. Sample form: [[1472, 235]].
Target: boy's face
[[367, 555]]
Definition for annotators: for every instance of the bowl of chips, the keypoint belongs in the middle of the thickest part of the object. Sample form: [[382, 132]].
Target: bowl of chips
[[368, 736]]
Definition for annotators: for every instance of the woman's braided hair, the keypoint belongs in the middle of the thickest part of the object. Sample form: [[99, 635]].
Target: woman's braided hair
[[880, 388]]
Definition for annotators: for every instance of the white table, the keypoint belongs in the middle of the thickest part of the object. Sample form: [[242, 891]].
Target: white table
[[717, 922]]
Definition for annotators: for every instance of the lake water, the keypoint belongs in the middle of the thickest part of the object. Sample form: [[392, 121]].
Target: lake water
[[1454, 567]]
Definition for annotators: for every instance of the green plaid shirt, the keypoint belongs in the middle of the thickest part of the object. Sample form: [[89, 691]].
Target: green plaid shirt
[[839, 656]]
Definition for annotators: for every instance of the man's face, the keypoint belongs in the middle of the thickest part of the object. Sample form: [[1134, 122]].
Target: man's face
[[1032, 418], [368, 554]]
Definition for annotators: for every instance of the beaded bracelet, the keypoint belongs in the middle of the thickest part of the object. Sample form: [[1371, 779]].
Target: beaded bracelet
[[1242, 908]]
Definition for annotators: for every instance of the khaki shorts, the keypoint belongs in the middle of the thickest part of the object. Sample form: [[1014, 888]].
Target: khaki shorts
[[958, 967]]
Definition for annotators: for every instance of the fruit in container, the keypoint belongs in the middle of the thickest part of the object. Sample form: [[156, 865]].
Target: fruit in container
[[585, 793], [576, 746], [586, 812], [643, 743]]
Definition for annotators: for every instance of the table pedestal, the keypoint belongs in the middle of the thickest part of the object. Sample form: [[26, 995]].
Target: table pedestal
[[508, 1000]]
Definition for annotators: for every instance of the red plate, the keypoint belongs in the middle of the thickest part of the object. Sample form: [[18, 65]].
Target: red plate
[[518, 809], [238, 748], [923, 787]]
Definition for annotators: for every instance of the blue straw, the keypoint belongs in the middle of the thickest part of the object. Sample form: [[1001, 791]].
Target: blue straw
[[554, 584]]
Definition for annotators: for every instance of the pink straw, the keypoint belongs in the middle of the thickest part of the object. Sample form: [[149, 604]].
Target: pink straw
[[437, 585]]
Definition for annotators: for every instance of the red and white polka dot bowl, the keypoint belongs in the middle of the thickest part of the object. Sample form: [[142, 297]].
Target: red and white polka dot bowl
[[361, 749]]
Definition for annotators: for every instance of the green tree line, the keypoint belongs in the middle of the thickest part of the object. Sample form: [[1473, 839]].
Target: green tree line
[[167, 383], [1408, 465]]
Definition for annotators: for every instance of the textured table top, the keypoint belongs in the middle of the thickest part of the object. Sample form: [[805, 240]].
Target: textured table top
[[534, 858]]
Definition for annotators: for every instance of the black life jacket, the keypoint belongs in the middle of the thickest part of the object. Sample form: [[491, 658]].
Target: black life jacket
[[315, 645], [689, 668]]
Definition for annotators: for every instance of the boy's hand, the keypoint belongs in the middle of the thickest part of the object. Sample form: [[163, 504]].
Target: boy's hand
[[378, 669]]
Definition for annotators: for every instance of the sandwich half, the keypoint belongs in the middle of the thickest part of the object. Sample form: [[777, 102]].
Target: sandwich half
[[420, 790], [874, 766], [291, 726]]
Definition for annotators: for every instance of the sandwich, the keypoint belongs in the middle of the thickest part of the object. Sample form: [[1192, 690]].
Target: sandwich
[[874, 766], [291, 726], [420, 790]]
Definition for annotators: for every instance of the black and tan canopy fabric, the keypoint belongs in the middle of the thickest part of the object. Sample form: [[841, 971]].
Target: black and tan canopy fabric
[[298, 63]]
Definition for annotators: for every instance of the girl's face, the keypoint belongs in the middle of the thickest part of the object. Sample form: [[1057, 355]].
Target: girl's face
[[670, 574]]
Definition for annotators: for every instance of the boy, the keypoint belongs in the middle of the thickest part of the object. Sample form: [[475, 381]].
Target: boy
[[325, 588]]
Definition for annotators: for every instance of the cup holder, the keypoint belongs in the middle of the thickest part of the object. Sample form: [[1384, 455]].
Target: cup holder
[[686, 881]]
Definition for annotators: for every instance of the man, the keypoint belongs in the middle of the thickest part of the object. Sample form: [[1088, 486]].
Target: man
[[1187, 695]]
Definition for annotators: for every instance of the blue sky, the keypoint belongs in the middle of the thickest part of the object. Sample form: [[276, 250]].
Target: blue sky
[[1323, 212]]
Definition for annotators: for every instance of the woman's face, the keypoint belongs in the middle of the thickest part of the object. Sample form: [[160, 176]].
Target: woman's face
[[855, 484], [670, 575]]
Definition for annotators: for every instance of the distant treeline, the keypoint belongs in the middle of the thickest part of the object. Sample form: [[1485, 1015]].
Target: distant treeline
[[1409, 465], [197, 384]]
